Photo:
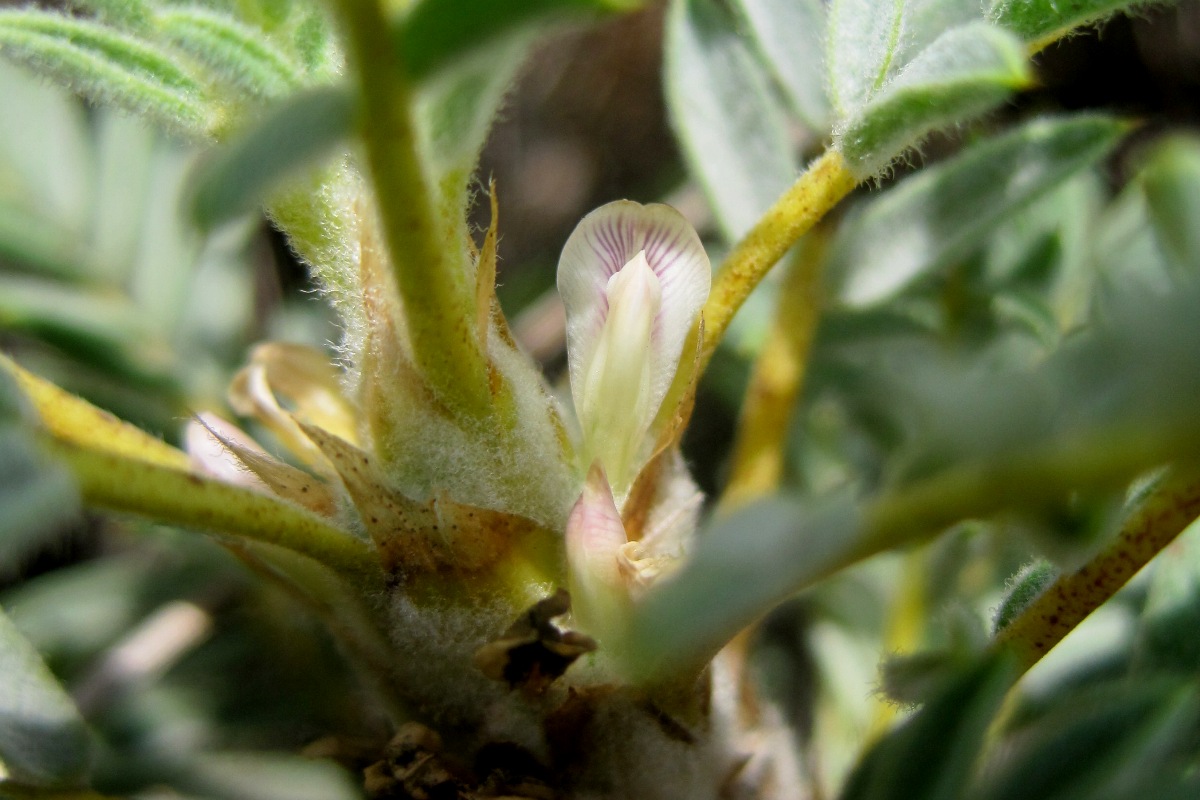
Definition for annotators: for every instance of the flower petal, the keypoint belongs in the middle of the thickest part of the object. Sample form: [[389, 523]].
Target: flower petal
[[601, 245], [594, 540], [304, 377]]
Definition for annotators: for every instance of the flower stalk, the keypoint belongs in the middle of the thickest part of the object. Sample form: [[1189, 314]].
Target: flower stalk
[[438, 299], [777, 379], [814, 194]]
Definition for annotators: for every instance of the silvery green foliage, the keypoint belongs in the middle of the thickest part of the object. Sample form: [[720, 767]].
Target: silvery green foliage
[[192, 68], [932, 220], [104, 262], [880, 75], [43, 739], [732, 126]]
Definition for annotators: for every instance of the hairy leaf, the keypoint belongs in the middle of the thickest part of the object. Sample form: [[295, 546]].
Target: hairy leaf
[[732, 129], [107, 66], [241, 55], [437, 32], [296, 134], [944, 213], [1043, 21], [966, 71], [870, 41], [931, 755], [791, 36]]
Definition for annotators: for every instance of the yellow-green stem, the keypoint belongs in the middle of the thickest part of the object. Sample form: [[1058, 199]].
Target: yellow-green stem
[[826, 182], [809, 199], [1162, 516], [438, 299], [776, 381], [1037, 475], [192, 501]]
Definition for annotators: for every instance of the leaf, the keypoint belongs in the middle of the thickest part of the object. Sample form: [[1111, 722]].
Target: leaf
[[931, 755], [941, 215], [791, 36], [107, 66], [241, 55], [1022, 589], [732, 130], [870, 41], [1172, 610], [1041, 22], [73, 419], [743, 565], [456, 106], [1171, 183], [44, 152], [43, 740], [964, 72], [296, 134], [437, 32], [1114, 738]]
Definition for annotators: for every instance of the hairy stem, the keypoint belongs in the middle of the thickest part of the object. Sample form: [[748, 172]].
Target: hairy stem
[[183, 498], [777, 380], [436, 295], [826, 182], [809, 199], [1164, 514]]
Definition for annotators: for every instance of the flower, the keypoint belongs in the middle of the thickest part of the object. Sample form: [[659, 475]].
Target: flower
[[633, 279]]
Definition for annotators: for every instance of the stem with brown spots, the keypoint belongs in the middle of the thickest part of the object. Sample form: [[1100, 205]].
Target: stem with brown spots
[[1169, 509]]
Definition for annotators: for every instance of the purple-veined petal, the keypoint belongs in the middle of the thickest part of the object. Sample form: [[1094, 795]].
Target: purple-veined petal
[[603, 243]]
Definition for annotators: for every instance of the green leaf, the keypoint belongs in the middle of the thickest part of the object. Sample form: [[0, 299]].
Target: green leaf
[[1171, 182], [930, 756], [437, 32], [43, 740], [742, 566], [241, 55], [296, 134], [870, 41], [966, 71], [1172, 611], [107, 66], [313, 43], [1114, 738], [943, 214], [44, 150], [732, 129], [1023, 588], [791, 37], [456, 107], [1043, 21], [129, 14]]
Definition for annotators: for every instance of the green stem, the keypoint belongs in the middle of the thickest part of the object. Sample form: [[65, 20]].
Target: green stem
[[814, 194], [183, 498], [436, 295]]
